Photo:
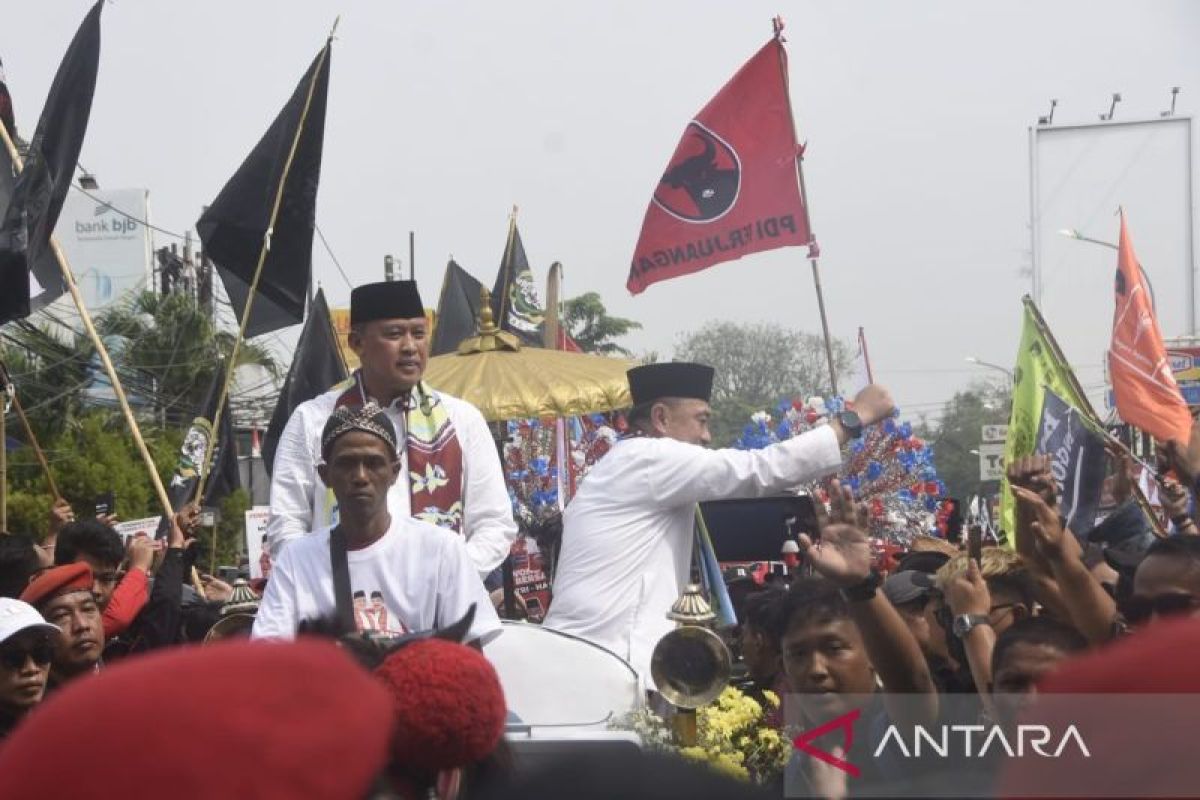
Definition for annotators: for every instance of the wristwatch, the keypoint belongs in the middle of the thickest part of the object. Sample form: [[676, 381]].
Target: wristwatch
[[965, 623], [864, 589], [851, 424]]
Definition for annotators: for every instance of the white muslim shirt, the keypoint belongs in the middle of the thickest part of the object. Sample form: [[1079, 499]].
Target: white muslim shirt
[[416, 577], [627, 533], [300, 502]]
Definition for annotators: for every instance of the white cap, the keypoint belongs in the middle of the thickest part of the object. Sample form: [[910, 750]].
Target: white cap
[[790, 546], [17, 616]]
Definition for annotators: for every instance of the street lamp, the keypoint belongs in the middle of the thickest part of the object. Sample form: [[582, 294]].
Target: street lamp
[[980, 363], [1072, 233]]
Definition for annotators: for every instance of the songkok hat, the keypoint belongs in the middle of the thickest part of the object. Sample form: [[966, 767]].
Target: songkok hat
[[672, 379], [75, 577], [368, 418], [385, 300], [279, 720]]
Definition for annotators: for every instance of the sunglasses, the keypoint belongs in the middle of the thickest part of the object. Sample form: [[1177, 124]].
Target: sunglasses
[[14, 658], [1139, 609]]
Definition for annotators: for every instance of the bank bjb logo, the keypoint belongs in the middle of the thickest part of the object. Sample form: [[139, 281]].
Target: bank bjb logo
[[702, 181]]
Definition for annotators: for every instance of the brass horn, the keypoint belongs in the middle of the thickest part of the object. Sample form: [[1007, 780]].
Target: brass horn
[[691, 665], [237, 615]]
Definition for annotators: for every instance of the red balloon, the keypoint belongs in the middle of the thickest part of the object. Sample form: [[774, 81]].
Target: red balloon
[[811, 417]]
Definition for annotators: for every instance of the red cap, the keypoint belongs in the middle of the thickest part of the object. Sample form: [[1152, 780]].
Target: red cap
[[249, 719], [448, 704], [75, 577]]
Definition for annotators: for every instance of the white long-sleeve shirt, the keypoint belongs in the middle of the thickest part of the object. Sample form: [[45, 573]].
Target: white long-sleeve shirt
[[627, 533], [300, 501]]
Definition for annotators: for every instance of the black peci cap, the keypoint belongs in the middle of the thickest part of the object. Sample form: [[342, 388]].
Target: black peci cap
[[672, 379], [385, 300]]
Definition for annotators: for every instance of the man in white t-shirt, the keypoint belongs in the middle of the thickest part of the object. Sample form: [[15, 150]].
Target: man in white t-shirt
[[419, 575]]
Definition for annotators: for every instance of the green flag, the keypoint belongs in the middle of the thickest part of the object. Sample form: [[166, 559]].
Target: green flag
[[1040, 364]]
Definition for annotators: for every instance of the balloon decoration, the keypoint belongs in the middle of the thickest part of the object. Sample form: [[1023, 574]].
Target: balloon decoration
[[889, 468], [531, 459]]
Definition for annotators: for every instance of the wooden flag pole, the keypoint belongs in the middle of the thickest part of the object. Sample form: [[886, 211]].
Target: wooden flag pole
[[69, 278], [825, 327], [29, 434], [262, 259]]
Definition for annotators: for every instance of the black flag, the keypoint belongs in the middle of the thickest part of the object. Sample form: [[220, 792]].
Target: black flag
[[38, 193], [6, 107], [316, 367], [234, 226], [514, 298], [193, 455], [457, 310], [1077, 461]]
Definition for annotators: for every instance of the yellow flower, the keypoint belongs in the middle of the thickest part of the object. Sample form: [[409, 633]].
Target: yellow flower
[[693, 753], [771, 698], [728, 766]]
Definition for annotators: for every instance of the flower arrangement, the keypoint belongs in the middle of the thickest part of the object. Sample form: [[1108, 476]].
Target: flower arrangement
[[732, 737], [890, 468]]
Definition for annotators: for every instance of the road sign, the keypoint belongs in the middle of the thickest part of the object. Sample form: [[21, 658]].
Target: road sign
[[991, 461], [995, 433]]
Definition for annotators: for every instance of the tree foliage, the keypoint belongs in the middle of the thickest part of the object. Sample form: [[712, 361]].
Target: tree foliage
[[171, 347], [757, 365], [587, 321], [959, 431]]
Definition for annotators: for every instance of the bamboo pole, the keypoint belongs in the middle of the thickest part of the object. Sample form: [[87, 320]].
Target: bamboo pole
[[3, 454], [6, 378], [262, 259], [69, 278]]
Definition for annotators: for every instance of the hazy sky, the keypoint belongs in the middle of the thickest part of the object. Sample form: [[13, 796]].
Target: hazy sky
[[442, 115]]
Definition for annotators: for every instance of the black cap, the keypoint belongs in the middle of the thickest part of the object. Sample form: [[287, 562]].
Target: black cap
[[672, 379], [385, 300], [906, 586]]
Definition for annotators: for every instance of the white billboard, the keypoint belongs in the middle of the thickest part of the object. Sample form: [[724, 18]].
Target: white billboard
[[109, 249]]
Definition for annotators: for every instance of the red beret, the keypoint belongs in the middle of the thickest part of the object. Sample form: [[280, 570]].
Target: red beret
[[448, 703], [1135, 703], [248, 719], [74, 577]]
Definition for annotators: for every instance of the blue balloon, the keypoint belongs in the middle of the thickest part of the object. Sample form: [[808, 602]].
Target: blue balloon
[[930, 504], [874, 470], [905, 430]]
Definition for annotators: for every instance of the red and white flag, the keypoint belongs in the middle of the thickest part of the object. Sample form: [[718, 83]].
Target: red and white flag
[[733, 185], [1143, 383]]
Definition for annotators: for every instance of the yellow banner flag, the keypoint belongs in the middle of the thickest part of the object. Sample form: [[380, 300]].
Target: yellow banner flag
[[1040, 363]]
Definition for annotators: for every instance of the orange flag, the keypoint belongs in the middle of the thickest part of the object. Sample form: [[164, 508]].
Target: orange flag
[[1145, 389]]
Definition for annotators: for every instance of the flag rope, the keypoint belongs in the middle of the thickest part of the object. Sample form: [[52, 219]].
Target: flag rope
[[86, 318], [262, 258]]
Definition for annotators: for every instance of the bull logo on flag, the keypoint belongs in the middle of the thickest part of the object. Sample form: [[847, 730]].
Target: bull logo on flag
[[701, 183]]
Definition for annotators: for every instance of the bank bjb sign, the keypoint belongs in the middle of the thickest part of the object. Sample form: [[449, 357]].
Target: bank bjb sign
[[107, 243]]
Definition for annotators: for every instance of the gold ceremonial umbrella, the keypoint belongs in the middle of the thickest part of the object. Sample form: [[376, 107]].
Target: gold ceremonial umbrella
[[504, 380]]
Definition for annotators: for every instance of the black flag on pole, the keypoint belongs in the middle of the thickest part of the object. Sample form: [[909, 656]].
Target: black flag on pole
[[457, 311], [1077, 460], [193, 455], [233, 228], [37, 194], [514, 297], [316, 367]]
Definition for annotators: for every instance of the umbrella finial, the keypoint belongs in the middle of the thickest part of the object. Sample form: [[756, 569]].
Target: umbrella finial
[[490, 336]]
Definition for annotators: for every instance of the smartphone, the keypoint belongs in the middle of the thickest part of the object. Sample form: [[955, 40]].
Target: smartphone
[[975, 543], [105, 503]]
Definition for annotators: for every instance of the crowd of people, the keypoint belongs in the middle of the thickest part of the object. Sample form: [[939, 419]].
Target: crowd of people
[[390, 519]]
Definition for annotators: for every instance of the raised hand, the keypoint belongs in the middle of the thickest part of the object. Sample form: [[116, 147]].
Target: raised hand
[[61, 515], [1050, 537], [873, 404], [1033, 473], [1185, 458], [843, 553], [968, 593]]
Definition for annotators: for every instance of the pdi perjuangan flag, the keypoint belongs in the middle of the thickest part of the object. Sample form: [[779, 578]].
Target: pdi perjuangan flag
[[235, 226], [38, 193], [1077, 460], [732, 187]]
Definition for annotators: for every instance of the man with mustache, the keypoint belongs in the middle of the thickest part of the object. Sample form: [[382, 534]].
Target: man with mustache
[[450, 471], [64, 597]]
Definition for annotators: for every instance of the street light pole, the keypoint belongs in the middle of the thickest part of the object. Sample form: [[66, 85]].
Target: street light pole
[[1008, 373]]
